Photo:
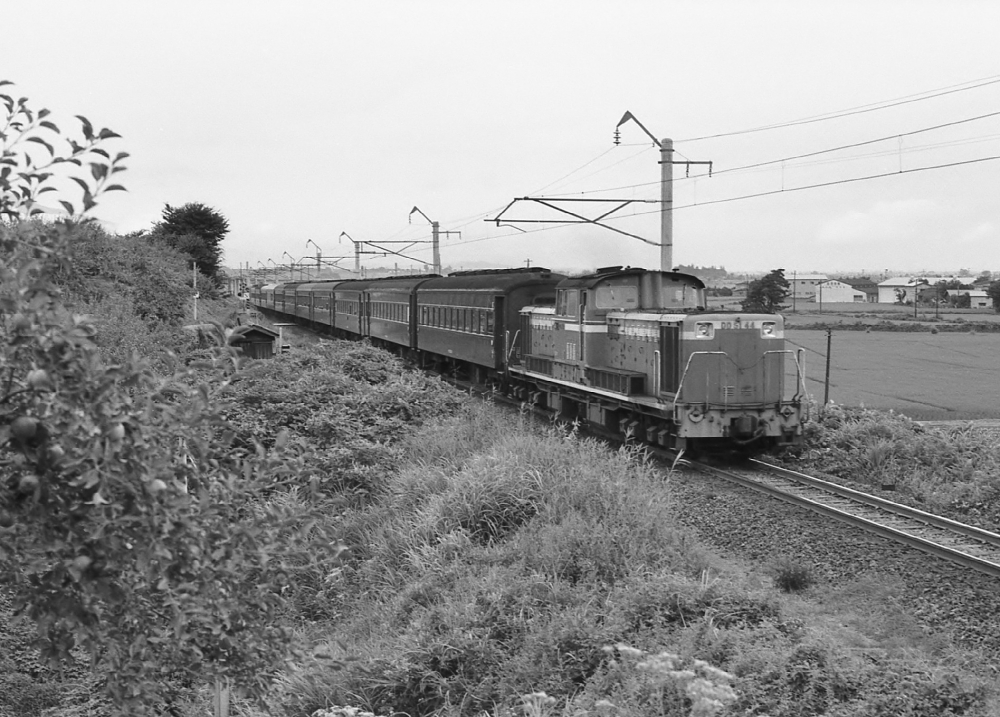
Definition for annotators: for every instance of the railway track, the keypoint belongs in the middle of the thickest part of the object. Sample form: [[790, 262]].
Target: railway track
[[963, 544]]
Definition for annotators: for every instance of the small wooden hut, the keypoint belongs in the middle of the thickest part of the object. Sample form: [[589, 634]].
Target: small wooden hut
[[255, 341]]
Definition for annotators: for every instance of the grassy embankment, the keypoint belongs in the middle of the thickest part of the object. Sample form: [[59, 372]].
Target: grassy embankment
[[497, 558], [493, 558]]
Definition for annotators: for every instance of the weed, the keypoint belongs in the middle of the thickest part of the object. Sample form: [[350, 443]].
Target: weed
[[791, 576]]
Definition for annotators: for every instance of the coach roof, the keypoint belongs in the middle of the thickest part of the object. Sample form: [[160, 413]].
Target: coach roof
[[496, 280], [611, 272]]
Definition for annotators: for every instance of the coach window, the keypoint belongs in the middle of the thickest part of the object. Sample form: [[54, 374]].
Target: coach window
[[489, 321]]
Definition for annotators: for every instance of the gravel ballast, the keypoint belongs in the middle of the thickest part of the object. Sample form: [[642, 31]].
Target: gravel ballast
[[741, 525]]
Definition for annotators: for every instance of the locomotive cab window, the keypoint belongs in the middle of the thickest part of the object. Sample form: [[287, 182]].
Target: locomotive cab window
[[568, 302]]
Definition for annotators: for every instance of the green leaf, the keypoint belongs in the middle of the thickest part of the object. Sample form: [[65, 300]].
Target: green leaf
[[115, 187], [49, 125], [107, 134], [39, 140], [68, 207], [88, 129]]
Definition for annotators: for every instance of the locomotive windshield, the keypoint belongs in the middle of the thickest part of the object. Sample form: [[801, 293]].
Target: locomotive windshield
[[617, 295]]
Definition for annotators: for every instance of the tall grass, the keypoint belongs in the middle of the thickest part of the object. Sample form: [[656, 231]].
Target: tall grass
[[947, 470], [501, 565]]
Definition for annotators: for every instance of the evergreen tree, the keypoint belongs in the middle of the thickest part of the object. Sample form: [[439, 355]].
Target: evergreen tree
[[993, 291], [766, 295], [197, 230]]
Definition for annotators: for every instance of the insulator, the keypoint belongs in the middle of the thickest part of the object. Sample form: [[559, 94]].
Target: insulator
[[618, 136]]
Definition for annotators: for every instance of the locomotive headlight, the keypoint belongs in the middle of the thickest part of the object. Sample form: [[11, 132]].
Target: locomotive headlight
[[768, 329], [704, 330]]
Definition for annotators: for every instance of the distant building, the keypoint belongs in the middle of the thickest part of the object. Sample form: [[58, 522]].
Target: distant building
[[803, 286], [905, 287], [863, 284], [833, 291], [977, 299]]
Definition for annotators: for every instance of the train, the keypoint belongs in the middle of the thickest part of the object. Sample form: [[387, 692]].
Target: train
[[635, 352]]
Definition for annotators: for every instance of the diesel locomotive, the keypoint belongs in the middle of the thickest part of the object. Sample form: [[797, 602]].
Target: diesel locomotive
[[631, 350]]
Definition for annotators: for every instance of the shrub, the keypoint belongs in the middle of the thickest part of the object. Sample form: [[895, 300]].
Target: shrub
[[132, 525], [947, 470]]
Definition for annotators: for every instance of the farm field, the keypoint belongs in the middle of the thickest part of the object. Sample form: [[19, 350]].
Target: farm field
[[950, 375]]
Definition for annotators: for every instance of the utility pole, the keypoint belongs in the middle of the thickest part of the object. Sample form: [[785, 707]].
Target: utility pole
[[319, 256], [357, 251], [829, 344], [435, 238], [667, 163], [194, 285]]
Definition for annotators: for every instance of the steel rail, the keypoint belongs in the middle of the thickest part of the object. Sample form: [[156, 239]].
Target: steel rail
[[913, 520], [937, 521]]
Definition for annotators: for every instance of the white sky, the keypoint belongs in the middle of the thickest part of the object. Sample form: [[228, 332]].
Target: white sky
[[302, 120]]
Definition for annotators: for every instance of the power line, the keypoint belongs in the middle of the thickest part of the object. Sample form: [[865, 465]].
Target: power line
[[755, 195], [820, 152], [820, 185], [862, 109], [857, 144], [586, 164]]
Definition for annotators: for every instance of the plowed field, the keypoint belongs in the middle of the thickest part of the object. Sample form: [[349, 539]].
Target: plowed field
[[922, 375]]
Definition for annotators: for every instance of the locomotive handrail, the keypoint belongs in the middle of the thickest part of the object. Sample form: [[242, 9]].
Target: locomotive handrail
[[511, 346], [800, 382], [657, 368], [800, 374], [680, 384]]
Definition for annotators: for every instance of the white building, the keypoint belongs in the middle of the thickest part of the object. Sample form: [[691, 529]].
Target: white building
[[903, 288], [978, 299], [803, 286], [833, 291]]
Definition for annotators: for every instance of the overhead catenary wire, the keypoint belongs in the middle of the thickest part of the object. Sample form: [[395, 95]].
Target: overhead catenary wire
[[818, 185], [755, 195], [792, 158], [908, 99], [861, 109]]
